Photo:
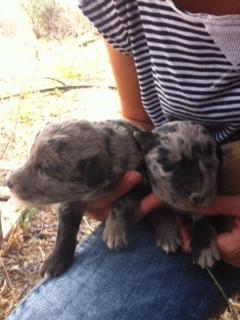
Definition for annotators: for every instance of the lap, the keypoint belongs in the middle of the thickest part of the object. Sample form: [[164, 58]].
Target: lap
[[138, 282]]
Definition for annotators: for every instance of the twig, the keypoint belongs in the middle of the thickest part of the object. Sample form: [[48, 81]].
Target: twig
[[6, 274], [42, 253], [3, 287], [60, 88], [88, 225], [54, 79], [87, 42], [42, 225], [5, 245], [34, 78]]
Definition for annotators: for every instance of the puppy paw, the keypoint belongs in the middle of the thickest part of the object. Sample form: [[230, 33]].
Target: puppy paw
[[55, 265], [115, 233], [207, 257], [168, 242], [166, 232]]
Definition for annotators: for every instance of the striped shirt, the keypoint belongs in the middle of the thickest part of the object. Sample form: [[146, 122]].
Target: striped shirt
[[187, 64]]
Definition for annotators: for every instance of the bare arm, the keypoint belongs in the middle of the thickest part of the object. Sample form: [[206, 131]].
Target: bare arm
[[128, 88], [132, 109]]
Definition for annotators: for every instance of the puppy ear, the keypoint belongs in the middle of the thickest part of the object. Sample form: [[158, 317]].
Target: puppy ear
[[93, 173], [145, 140], [59, 143]]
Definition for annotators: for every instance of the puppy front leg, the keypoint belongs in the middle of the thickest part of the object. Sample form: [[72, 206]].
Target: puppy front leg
[[203, 244], [166, 229], [69, 218], [116, 225]]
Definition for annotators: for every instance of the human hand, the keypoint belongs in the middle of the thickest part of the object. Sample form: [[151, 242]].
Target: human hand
[[226, 205], [99, 209], [228, 243], [147, 205]]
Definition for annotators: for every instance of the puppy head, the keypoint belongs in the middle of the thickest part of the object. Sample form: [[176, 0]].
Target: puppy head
[[67, 162], [182, 162]]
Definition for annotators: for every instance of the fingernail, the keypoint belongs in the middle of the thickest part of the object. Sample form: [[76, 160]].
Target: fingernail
[[133, 177]]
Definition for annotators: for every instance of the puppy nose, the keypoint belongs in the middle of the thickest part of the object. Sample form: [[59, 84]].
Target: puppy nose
[[196, 198]]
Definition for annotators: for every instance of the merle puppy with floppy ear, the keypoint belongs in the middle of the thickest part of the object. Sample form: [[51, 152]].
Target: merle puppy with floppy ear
[[183, 160], [73, 162]]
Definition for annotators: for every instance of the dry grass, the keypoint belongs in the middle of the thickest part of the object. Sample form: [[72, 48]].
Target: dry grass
[[22, 117], [21, 258]]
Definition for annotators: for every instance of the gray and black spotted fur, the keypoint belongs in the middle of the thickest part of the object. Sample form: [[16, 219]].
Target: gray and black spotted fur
[[73, 162], [183, 162]]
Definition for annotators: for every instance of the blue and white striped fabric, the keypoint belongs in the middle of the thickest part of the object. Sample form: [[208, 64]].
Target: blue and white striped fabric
[[187, 64]]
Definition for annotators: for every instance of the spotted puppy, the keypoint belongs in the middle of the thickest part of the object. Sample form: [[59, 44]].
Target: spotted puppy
[[73, 162], [182, 160]]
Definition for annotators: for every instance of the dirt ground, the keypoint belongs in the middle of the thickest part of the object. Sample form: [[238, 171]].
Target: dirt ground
[[58, 64], [30, 66]]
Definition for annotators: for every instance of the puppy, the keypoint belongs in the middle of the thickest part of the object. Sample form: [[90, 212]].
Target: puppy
[[73, 162], [183, 161]]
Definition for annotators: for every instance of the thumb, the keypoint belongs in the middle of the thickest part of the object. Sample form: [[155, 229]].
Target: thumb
[[226, 205], [149, 203], [226, 241], [184, 235], [125, 184]]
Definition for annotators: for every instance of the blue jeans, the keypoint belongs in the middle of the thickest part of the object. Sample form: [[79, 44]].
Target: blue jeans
[[136, 283]]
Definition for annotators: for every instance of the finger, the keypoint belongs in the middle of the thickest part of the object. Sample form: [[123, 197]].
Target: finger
[[226, 205], [228, 241], [125, 184], [228, 245], [98, 214], [237, 223], [149, 203], [184, 236]]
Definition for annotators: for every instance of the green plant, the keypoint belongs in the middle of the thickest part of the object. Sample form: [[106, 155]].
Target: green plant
[[27, 216], [68, 72]]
